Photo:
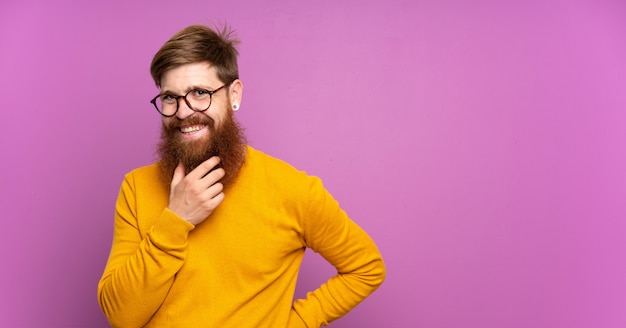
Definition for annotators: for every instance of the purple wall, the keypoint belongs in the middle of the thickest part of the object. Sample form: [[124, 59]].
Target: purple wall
[[482, 144]]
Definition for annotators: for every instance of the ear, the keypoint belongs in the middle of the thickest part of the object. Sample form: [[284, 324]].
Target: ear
[[235, 92]]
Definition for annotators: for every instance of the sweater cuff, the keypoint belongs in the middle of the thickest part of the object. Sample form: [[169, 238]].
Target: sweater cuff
[[170, 230]]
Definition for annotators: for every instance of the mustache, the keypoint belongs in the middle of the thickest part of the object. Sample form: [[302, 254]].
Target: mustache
[[194, 119]]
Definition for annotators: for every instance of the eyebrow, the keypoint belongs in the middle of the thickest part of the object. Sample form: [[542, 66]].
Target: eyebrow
[[192, 87]]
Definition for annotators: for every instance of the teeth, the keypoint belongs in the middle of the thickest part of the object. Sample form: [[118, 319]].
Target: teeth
[[190, 129]]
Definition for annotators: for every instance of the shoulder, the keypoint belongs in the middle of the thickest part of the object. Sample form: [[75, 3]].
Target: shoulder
[[263, 163], [144, 172], [144, 177], [264, 169]]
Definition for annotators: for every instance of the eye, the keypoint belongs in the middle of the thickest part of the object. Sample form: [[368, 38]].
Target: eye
[[168, 99], [200, 93]]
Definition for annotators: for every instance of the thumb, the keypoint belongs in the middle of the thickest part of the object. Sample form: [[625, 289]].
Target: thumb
[[179, 174]]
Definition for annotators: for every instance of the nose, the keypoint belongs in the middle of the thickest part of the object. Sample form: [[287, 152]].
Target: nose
[[183, 109]]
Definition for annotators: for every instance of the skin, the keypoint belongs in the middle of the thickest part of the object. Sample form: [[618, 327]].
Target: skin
[[194, 196]]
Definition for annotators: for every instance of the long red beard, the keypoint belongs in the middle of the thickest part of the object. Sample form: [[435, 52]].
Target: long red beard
[[227, 142]]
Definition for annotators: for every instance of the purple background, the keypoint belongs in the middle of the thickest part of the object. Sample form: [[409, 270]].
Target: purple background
[[480, 143]]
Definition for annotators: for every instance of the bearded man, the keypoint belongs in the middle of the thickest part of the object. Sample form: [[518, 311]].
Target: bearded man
[[213, 234]]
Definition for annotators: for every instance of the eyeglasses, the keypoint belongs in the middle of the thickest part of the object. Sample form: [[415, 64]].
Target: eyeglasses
[[199, 100]]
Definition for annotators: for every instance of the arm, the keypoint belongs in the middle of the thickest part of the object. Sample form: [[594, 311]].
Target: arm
[[140, 270], [360, 269]]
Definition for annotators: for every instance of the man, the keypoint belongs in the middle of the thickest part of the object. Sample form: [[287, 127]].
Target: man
[[213, 234]]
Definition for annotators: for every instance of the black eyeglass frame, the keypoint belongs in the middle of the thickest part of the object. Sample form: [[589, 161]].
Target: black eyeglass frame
[[210, 92]]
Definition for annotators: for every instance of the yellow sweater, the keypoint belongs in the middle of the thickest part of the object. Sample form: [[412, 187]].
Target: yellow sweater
[[239, 267]]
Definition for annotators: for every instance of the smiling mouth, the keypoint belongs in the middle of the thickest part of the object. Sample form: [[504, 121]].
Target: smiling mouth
[[192, 128]]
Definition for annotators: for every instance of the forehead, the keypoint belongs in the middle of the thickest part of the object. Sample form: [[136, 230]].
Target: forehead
[[181, 78]]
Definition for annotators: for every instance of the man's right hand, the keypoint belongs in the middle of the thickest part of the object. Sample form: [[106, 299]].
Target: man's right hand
[[194, 197]]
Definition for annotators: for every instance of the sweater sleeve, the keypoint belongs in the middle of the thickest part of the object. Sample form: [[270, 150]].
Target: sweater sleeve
[[140, 269], [360, 268]]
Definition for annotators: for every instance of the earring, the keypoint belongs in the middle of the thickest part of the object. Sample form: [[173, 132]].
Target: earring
[[235, 107]]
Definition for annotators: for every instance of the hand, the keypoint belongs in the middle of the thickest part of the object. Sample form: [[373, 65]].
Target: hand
[[194, 197]]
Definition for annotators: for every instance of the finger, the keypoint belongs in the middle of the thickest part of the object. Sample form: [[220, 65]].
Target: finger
[[179, 174], [214, 176], [204, 168], [214, 190], [215, 201], [213, 197]]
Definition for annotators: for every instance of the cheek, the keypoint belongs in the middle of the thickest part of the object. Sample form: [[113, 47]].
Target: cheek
[[166, 122], [169, 124], [218, 115]]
